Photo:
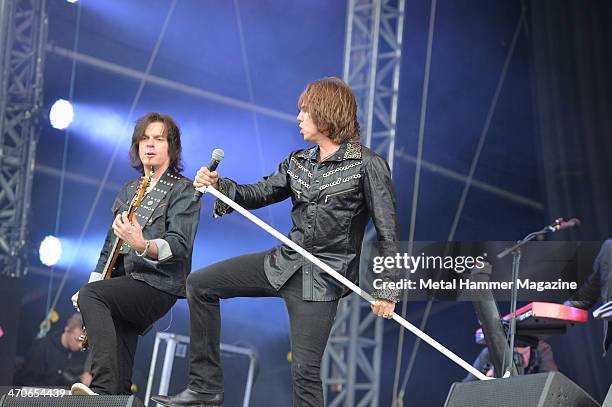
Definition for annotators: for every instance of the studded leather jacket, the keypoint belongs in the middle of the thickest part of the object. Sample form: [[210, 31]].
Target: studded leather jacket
[[174, 219], [332, 203]]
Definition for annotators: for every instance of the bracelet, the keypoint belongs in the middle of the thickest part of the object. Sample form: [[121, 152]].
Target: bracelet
[[144, 252]]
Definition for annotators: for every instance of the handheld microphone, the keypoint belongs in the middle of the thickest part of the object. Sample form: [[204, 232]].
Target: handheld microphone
[[217, 156], [561, 224]]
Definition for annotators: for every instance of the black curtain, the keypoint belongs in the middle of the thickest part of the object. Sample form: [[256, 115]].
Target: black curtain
[[571, 43], [572, 71]]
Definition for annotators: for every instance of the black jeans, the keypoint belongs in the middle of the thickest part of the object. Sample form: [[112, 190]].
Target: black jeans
[[244, 276], [115, 312]]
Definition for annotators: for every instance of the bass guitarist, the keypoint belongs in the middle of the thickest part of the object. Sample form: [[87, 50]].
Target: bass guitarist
[[145, 259]]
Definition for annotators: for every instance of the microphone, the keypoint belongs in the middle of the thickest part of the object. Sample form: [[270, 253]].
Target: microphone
[[561, 224], [217, 156]]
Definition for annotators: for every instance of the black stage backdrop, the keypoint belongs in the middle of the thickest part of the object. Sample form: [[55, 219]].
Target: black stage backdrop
[[572, 66]]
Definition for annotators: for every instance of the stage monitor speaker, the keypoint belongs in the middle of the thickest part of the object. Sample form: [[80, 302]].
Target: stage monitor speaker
[[71, 401], [536, 390]]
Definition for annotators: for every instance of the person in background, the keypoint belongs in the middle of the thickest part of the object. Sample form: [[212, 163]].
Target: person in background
[[531, 358], [56, 359], [597, 288]]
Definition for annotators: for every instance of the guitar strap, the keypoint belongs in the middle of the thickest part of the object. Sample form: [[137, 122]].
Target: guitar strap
[[151, 201]]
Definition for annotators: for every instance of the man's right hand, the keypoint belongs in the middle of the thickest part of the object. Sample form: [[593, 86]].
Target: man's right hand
[[85, 378], [204, 177], [75, 300]]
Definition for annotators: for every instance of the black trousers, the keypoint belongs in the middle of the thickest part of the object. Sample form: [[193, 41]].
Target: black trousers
[[115, 312], [244, 276]]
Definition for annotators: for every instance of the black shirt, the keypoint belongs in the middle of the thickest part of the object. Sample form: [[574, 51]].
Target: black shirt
[[48, 363]]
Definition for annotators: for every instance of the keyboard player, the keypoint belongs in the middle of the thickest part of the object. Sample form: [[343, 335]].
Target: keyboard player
[[597, 287]]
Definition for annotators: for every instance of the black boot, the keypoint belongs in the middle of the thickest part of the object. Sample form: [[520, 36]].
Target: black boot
[[190, 398]]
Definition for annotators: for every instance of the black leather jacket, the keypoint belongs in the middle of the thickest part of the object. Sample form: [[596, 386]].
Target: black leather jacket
[[332, 203], [176, 221]]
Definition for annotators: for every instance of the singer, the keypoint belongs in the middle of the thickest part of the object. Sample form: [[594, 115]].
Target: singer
[[335, 188], [152, 264]]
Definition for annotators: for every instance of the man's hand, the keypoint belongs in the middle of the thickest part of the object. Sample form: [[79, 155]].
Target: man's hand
[[206, 178], [129, 232], [75, 301], [383, 308], [85, 378]]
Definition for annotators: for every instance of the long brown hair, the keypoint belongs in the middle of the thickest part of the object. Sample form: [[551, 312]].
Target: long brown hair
[[332, 107], [173, 133]]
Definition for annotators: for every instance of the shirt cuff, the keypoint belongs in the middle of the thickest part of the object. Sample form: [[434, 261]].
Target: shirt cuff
[[95, 277], [221, 208], [163, 252], [387, 294]]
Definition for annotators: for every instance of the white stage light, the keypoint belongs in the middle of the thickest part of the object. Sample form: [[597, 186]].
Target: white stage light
[[50, 251], [61, 114]]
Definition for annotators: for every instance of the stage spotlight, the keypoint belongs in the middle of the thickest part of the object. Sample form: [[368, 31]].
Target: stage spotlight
[[81, 255], [50, 251], [61, 114], [72, 1]]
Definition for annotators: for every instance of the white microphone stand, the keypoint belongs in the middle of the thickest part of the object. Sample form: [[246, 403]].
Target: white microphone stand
[[397, 318]]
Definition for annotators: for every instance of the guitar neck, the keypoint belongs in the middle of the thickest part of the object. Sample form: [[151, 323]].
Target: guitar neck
[[111, 262]]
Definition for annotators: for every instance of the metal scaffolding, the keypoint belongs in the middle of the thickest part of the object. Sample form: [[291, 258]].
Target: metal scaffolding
[[351, 366], [372, 56], [23, 35]]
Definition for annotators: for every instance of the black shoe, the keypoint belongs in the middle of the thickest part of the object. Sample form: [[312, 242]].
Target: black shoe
[[190, 398]]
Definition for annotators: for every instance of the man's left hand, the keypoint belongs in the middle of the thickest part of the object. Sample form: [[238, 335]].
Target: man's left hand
[[383, 308], [129, 232]]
